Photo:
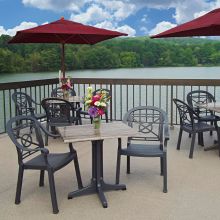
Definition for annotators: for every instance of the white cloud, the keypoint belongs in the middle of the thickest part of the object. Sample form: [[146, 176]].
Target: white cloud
[[2, 30], [22, 26], [116, 11], [144, 30], [105, 24], [93, 14], [124, 11], [110, 26], [55, 5], [162, 26], [127, 29], [144, 19]]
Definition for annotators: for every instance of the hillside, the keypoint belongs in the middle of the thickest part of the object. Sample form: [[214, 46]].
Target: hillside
[[115, 53]]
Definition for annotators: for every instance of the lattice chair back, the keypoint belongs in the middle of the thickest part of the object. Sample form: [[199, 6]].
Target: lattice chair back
[[199, 97], [149, 121], [58, 92], [23, 103], [186, 113], [25, 133], [58, 111]]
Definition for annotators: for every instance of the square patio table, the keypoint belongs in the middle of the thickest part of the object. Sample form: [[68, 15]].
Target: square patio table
[[81, 133], [215, 107]]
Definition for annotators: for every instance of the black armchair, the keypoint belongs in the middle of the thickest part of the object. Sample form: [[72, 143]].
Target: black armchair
[[60, 112], [199, 97], [29, 144], [25, 105], [58, 92], [190, 122], [152, 124]]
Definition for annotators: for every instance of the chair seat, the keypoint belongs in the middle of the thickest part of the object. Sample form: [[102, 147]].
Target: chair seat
[[198, 127], [62, 122], [40, 116], [56, 161], [142, 150]]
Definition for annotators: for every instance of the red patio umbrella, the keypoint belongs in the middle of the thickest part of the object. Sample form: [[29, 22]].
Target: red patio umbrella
[[206, 25], [64, 32]]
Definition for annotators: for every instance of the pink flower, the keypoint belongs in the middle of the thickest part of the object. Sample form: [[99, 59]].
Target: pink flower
[[96, 98], [101, 111]]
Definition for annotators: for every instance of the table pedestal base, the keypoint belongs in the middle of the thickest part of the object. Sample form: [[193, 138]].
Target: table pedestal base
[[97, 183], [98, 188]]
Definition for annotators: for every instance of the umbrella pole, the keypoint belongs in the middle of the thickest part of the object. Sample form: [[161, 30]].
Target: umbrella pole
[[63, 60]]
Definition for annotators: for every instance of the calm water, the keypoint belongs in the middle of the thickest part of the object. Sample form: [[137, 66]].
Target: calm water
[[151, 96], [164, 73]]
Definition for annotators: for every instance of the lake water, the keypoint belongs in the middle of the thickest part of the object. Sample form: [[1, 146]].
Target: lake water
[[139, 95], [163, 73]]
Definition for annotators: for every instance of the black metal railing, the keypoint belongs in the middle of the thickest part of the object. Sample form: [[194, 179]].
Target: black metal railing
[[126, 93]]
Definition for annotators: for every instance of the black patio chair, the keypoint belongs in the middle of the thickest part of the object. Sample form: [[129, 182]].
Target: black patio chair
[[34, 156], [60, 112], [25, 105], [152, 124], [190, 122], [58, 92], [108, 92], [199, 97]]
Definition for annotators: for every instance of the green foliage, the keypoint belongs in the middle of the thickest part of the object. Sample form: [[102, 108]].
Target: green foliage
[[115, 53]]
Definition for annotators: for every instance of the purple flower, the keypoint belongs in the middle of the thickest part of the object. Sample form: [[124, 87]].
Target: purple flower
[[93, 111]]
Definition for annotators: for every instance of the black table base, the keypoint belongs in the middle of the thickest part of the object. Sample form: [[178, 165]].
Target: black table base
[[97, 184]]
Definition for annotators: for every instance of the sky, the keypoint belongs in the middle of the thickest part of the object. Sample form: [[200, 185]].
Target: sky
[[134, 17]]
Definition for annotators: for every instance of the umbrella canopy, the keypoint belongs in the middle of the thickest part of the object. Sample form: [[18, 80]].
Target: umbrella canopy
[[64, 32], [206, 25]]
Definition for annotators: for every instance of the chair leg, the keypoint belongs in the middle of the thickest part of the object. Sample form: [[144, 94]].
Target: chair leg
[[128, 164], [41, 182], [53, 191], [46, 136], [118, 164], [19, 185], [165, 173], [212, 123], [192, 145], [106, 117], [218, 135], [201, 139], [161, 166], [80, 120], [78, 175], [179, 139]]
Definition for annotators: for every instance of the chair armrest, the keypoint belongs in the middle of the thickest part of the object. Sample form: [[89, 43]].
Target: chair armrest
[[35, 102], [166, 130], [29, 108], [48, 133], [42, 149]]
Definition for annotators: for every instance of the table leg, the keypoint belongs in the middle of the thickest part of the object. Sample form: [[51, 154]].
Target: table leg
[[97, 183], [216, 145]]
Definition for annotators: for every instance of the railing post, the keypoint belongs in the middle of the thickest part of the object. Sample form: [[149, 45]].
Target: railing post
[[111, 102], [171, 108]]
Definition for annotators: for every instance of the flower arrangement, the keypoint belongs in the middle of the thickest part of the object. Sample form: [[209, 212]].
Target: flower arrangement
[[65, 84], [96, 104]]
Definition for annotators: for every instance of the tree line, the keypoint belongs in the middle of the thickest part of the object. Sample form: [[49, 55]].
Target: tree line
[[115, 53]]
